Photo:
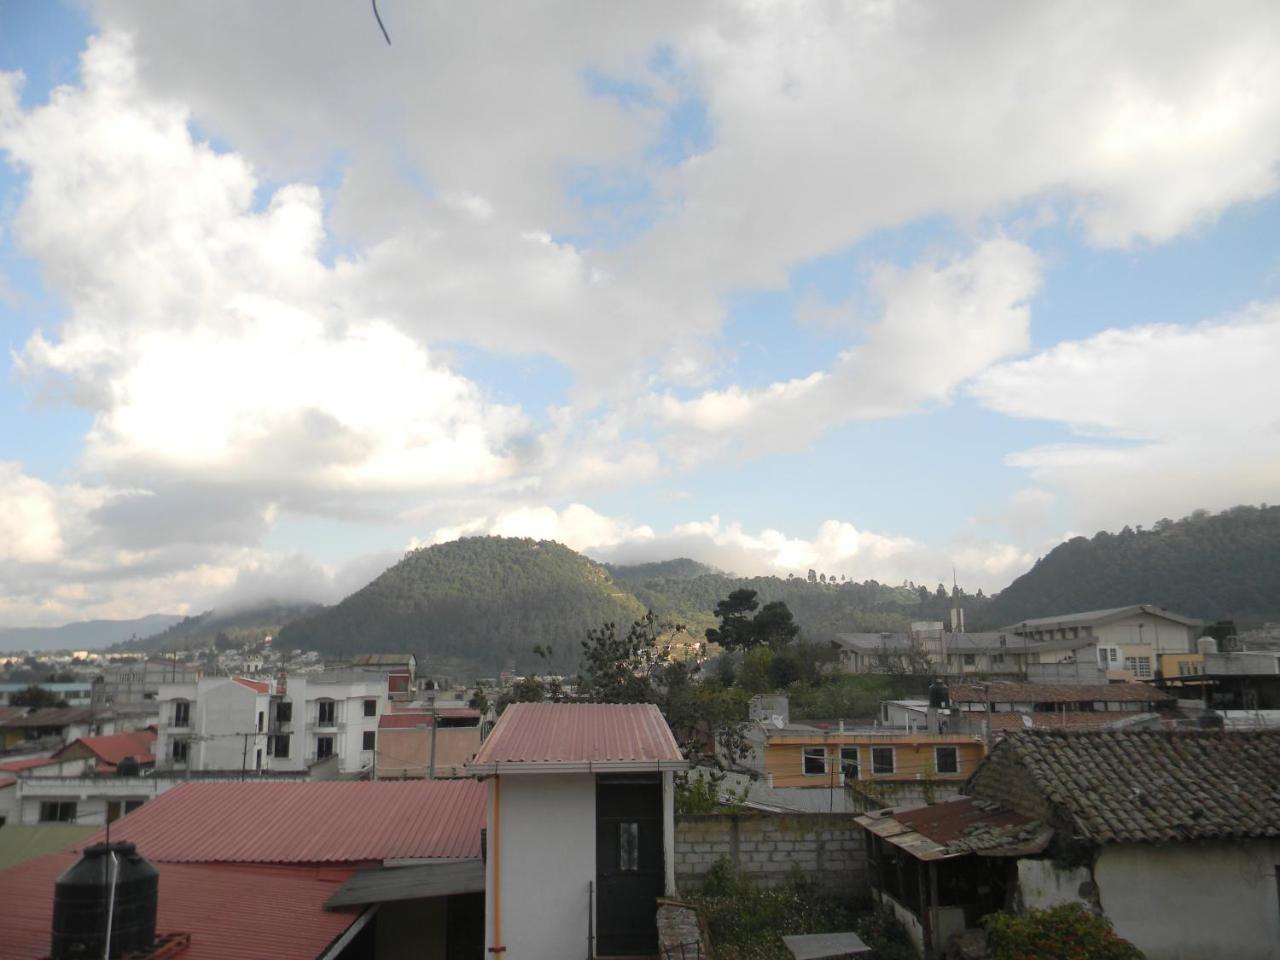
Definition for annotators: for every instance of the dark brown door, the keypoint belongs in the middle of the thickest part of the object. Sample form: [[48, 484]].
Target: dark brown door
[[629, 870]]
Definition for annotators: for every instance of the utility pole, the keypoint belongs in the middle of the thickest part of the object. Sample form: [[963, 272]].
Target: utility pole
[[435, 722]]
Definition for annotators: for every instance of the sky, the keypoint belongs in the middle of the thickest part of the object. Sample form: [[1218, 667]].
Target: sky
[[881, 289]]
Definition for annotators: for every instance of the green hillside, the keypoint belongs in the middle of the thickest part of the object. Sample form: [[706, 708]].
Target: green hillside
[[480, 602], [1211, 566]]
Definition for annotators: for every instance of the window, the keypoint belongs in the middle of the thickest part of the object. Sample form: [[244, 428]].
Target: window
[[280, 745], [180, 750], [1140, 667], [968, 659], [324, 748], [1108, 656], [882, 760], [132, 805], [257, 760], [849, 762], [327, 713], [997, 658], [57, 811], [946, 759], [370, 740], [284, 711], [815, 761], [182, 713], [262, 717], [629, 845], [371, 708]]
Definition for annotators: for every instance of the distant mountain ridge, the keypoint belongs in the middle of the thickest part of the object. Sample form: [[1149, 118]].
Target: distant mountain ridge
[[86, 635], [1210, 566], [230, 627]]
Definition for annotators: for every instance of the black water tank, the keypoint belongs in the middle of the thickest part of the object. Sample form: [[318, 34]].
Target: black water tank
[[128, 767], [82, 900]]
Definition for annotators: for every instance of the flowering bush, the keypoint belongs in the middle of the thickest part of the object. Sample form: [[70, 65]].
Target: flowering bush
[[1068, 932]]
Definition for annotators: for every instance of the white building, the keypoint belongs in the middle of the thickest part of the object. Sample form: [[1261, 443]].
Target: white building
[[234, 723], [580, 828]]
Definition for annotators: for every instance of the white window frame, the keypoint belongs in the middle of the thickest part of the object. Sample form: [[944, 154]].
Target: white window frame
[[333, 748], [893, 762], [1140, 667], [809, 753], [333, 713], [937, 765], [1108, 657], [178, 719]]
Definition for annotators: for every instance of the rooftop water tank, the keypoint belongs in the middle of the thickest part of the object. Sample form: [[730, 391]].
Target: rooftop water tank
[[1206, 645], [128, 767], [939, 695], [84, 901]]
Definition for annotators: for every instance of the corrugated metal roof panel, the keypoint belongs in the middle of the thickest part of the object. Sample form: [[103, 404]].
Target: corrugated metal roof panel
[[575, 733], [388, 884], [251, 913], [308, 822]]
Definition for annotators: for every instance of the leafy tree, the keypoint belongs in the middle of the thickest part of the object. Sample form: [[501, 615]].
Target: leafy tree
[[735, 631], [479, 701], [616, 669], [1067, 932], [36, 698], [774, 625]]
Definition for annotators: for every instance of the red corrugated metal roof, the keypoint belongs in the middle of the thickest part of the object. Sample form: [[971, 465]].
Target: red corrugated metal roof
[[570, 733], [401, 721], [259, 685], [307, 822], [251, 913], [944, 823], [7, 781], [26, 763], [114, 747], [49, 717]]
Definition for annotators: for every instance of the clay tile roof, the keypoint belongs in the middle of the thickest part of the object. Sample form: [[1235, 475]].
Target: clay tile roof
[[260, 686], [564, 736], [113, 748], [1149, 785], [247, 912], [26, 763], [336, 821], [1002, 692]]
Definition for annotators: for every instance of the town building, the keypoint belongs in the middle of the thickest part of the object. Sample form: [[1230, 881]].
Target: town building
[[288, 725], [53, 725], [400, 669], [426, 742], [1126, 641], [580, 829], [1173, 835]]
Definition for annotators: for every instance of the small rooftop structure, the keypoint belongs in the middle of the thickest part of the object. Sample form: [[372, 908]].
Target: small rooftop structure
[[579, 737], [110, 749], [336, 821]]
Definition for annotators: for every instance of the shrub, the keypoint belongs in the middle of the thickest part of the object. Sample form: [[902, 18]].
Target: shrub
[[1067, 932]]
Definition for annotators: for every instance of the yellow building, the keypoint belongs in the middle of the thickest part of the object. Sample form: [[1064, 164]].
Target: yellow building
[[800, 757]]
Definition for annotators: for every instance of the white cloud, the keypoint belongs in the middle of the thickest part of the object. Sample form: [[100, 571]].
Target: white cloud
[[940, 324], [203, 333], [1180, 417]]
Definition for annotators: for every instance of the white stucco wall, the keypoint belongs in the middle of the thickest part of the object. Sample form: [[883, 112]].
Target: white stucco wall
[[1194, 901], [546, 855], [1043, 884]]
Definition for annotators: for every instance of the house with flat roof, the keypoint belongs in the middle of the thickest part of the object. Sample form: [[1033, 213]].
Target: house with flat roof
[[1174, 835], [580, 829]]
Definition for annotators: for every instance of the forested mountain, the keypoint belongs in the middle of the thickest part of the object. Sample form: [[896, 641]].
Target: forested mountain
[[482, 602], [226, 628], [1211, 566]]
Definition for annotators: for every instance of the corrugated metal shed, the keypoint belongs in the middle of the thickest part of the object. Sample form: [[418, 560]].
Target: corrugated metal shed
[[569, 736], [308, 822], [958, 827], [250, 913], [386, 884]]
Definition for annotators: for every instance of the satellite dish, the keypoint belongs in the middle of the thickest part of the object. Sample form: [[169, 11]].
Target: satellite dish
[[1026, 721], [777, 721]]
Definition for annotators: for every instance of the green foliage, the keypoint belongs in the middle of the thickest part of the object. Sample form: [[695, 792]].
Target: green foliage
[[1067, 932], [617, 669], [773, 626], [704, 716], [884, 933], [36, 697], [226, 630], [699, 791], [748, 922], [482, 601], [1205, 565]]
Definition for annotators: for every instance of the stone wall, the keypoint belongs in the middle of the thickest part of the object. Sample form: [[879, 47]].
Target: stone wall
[[827, 848]]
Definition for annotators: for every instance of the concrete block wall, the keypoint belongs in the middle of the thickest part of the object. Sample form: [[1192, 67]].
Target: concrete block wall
[[827, 848]]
